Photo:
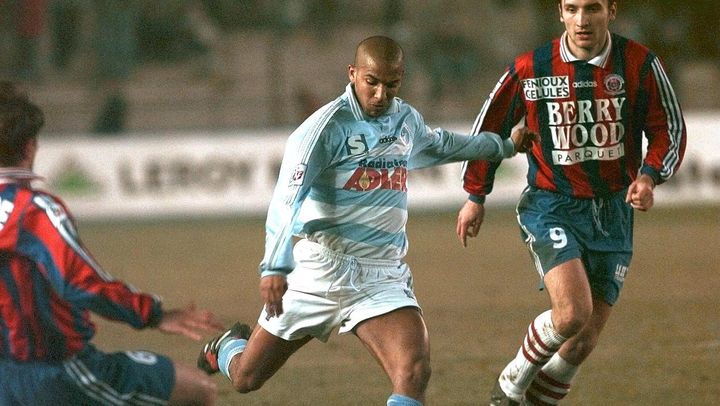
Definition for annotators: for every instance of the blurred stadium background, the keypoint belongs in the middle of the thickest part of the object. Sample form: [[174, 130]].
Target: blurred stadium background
[[182, 106], [219, 64], [165, 127]]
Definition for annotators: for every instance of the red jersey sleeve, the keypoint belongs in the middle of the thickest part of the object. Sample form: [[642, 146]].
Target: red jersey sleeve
[[502, 110], [75, 274], [664, 126]]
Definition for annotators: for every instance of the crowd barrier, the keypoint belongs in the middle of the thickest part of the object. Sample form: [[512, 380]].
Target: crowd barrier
[[200, 174]]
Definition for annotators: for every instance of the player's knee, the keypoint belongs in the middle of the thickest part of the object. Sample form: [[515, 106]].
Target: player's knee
[[414, 378], [247, 383], [570, 321], [422, 374]]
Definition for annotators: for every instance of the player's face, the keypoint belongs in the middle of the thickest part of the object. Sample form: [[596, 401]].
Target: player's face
[[586, 22], [376, 84]]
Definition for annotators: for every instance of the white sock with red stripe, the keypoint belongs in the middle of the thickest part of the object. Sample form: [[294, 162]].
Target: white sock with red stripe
[[541, 343], [552, 383]]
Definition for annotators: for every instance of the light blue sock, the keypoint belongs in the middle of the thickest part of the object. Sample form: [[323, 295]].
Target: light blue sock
[[228, 349], [401, 400]]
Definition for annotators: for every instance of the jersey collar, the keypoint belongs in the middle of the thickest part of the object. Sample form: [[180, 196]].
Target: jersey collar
[[17, 175], [599, 61], [357, 109]]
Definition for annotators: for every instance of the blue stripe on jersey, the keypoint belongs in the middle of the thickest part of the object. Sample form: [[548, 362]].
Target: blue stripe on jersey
[[41, 311], [584, 72], [375, 198], [9, 192], [11, 287], [617, 56], [31, 247], [542, 66], [52, 338], [359, 232], [5, 344]]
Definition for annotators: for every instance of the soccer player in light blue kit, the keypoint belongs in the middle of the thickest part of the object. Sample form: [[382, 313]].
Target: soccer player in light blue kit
[[342, 188]]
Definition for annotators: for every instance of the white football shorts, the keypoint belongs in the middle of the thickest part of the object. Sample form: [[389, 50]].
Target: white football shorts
[[328, 289]]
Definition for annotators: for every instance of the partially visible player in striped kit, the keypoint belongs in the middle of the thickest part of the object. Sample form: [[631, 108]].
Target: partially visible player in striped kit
[[342, 189], [591, 95], [49, 284]]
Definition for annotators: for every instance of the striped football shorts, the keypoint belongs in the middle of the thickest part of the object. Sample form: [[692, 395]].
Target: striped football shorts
[[328, 289]]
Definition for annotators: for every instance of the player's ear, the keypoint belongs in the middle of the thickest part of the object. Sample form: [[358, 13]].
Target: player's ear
[[612, 9], [351, 73], [562, 20]]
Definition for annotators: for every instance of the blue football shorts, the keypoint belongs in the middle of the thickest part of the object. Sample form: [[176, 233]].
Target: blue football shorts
[[89, 378], [329, 290], [558, 228]]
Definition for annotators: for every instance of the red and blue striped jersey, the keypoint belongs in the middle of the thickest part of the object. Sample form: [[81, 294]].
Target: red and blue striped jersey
[[591, 117], [49, 282]]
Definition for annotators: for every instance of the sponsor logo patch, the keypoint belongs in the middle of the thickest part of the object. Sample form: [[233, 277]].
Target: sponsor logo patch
[[614, 84], [546, 87], [299, 175], [356, 144], [585, 83], [620, 272], [142, 357], [586, 130]]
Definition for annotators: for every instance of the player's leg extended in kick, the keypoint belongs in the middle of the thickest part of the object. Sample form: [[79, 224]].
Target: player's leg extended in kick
[[261, 359], [571, 301], [248, 361], [399, 342]]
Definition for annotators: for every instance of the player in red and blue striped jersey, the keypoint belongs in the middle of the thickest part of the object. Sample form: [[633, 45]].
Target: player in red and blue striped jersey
[[49, 284], [591, 96]]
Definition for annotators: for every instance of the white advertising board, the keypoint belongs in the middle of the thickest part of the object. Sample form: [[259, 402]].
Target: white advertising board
[[218, 174]]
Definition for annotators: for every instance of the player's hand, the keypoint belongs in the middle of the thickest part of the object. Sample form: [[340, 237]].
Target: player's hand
[[272, 289], [523, 139], [640, 193], [189, 321], [469, 220]]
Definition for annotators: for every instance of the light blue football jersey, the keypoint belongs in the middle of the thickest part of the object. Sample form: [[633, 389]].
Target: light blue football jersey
[[344, 176]]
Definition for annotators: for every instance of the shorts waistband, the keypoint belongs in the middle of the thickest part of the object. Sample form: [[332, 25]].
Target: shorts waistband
[[339, 256], [609, 196]]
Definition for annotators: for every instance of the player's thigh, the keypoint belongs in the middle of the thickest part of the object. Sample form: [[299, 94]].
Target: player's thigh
[[398, 340], [192, 387], [548, 229], [569, 290]]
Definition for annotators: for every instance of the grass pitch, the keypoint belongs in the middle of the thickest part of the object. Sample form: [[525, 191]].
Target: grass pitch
[[661, 346]]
